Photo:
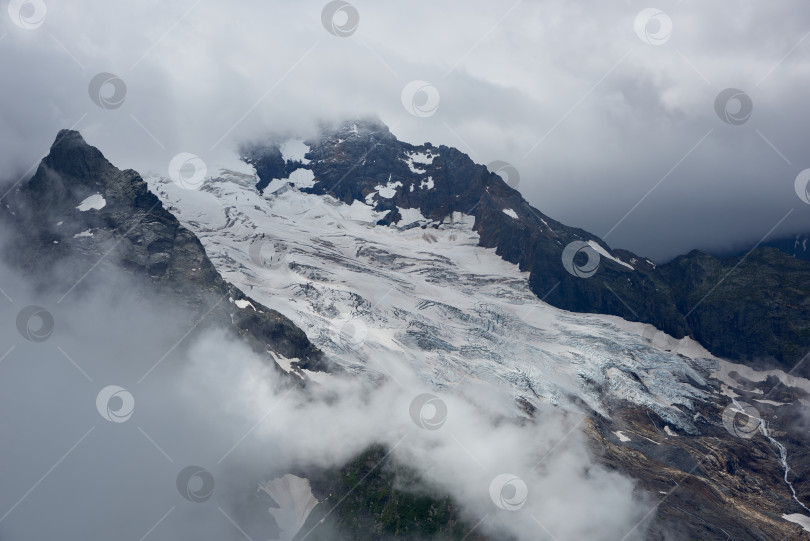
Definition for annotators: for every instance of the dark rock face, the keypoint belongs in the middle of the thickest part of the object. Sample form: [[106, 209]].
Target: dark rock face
[[269, 164], [759, 312], [754, 308], [57, 244], [707, 486], [390, 503]]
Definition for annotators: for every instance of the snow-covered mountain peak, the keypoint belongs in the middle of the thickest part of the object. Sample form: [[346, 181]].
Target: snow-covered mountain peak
[[430, 292], [458, 312]]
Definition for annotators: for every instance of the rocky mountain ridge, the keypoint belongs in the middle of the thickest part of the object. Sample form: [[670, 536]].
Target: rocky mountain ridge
[[721, 302], [78, 212], [425, 290]]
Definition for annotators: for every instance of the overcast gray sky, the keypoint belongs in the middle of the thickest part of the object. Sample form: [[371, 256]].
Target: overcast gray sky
[[611, 122]]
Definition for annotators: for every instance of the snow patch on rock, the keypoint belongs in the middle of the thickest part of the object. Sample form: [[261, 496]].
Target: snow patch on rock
[[94, 202], [294, 150], [604, 253], [302, 178], [410, 216], [244, 304], [418, 161], [389, 190], [798, 518]]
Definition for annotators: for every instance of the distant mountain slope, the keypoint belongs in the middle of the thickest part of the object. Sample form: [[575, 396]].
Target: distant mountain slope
[[795, 245], [755, 308], [362, 161]]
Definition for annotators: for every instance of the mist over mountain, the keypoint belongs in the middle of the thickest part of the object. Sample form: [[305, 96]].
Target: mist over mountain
[[592, 112], [794, 245], [346, 270], [425, 343]]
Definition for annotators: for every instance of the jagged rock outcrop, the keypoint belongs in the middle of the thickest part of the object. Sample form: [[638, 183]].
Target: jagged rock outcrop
[[79, 214]]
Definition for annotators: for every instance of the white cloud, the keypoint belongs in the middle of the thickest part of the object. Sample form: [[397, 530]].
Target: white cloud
[[215, 404], [612, 114]]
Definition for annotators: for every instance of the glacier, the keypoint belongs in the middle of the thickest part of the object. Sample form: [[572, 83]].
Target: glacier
[[455, 312]]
